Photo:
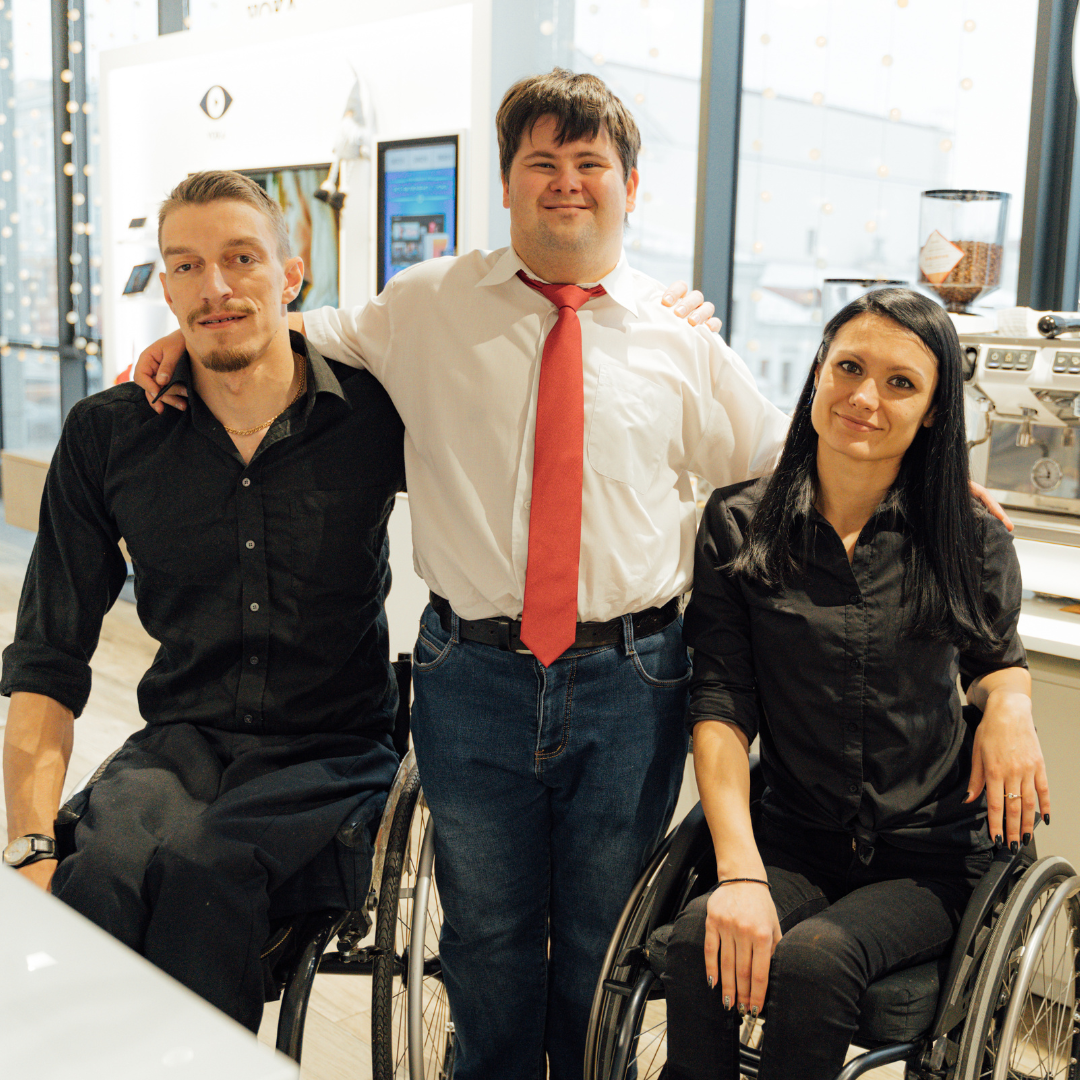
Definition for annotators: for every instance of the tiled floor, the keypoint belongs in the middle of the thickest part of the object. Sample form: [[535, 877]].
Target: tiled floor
[[338, 1031]]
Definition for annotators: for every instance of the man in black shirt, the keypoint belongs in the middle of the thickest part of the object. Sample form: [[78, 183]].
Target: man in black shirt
[[260, 555]]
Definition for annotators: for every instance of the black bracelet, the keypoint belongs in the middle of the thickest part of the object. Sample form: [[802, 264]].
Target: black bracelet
[[751, 880]]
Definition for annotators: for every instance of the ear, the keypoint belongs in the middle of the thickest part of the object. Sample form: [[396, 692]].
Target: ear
[[928, 419], [165, 290], [817, 374], [294, 279], [506, 193], [631, 190]]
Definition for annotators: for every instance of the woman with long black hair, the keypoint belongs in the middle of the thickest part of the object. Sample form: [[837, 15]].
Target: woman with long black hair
[[834, 604]]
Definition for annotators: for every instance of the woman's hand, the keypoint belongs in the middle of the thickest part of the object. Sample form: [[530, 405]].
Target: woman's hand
[[1006, 758], [741, 932]]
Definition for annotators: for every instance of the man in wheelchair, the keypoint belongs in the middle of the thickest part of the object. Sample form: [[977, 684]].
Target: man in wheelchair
[[256, 523]]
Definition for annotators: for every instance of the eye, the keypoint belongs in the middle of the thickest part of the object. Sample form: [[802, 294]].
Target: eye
[[245, 260], [850, 367], [903, 382], [179, 268]]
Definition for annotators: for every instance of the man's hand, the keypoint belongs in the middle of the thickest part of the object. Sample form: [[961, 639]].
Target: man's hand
[[691, 305], [154, 370], [991, 504], [40, 873], [743, 928]]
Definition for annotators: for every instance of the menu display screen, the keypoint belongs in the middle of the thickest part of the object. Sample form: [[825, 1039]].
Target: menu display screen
[[418, 201]]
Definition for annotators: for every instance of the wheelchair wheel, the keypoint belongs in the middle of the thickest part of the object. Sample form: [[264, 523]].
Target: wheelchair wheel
[[411, 1032], [1022, 1023], [629, 1018]]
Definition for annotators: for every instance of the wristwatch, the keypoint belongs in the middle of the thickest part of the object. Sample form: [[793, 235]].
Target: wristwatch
[[24, 850]]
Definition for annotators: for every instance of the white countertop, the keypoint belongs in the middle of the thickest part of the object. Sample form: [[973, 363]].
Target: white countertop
[[74, 1002]]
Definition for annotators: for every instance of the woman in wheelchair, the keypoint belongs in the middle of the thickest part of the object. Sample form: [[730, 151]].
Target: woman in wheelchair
[[834, 603]]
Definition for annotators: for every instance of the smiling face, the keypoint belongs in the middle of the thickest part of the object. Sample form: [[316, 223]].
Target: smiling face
[[567, 204], [225, 282], [874, 390]]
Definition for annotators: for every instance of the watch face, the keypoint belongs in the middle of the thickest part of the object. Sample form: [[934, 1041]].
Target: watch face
[[18, 850]]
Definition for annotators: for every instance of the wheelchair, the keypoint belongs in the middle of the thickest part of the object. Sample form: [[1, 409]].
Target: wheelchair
[[411, 1032], [1002, 1004]]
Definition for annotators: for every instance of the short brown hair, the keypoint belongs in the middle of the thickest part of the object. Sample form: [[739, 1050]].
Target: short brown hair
[[206, 187], [581, 106]]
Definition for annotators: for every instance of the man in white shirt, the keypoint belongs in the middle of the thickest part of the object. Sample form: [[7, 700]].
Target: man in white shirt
[[549, 783]]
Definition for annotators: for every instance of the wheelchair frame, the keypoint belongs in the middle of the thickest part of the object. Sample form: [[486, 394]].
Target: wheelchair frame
[[411, 1028], [1023, 916]]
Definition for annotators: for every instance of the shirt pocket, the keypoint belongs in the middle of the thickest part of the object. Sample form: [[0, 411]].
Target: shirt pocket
[[633, 423]]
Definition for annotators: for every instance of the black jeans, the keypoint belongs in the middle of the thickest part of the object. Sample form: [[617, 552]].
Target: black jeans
[[190, 831], [844, 924]]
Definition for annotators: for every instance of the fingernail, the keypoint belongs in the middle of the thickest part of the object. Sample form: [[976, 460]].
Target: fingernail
[[997, 840], [669, 298], [753, 1012], [709, 980], [694, 319], [161, 377], [681, 309], [1046, 819], [742, 1009], [1027, 839], [727, 1001], [1014, 847]]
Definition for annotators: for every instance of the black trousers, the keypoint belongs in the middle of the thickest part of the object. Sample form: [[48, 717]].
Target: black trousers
[[191, 833], [844, 924]]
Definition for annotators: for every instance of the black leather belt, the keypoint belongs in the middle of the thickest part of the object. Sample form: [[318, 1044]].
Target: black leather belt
[[503, 633]]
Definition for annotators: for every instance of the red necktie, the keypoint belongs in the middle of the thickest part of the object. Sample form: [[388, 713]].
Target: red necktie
[[549, 617]]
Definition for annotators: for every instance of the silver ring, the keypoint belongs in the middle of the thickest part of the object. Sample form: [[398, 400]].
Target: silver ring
[[1010, 795]]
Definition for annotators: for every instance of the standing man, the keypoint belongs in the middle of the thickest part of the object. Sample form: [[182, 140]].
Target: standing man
[[550, 433], [256, 523]]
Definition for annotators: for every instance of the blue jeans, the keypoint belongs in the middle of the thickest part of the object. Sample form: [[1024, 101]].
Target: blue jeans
[[548, 788]]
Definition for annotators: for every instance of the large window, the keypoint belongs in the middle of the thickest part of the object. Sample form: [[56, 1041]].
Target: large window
[[850, 109]]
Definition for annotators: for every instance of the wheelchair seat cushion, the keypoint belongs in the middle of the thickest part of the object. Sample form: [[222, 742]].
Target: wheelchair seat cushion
[[901, 1006], [897, 1008]]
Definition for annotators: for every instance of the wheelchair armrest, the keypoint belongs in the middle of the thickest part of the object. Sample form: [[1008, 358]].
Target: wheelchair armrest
[[973, 936]]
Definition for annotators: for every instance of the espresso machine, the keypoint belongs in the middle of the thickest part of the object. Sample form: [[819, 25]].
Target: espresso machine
[[1023, 416]]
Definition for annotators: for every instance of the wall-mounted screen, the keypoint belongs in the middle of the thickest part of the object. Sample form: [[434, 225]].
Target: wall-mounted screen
[[314, 227], [418, 202], [139, 278]]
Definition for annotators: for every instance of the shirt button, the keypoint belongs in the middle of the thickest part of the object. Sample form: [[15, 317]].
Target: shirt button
[[250, 544], [855, 661], [853, 788], [853, 727], [253, 660], [527, 503], [246, 481], [254, 607], [855, 598], [247, 719]]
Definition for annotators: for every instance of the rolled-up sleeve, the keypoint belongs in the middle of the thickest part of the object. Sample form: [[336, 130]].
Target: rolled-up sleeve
[[74, 576], [717, 628], [1001, 590]]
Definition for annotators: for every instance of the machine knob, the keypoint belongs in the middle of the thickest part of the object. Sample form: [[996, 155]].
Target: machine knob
[[1052, 325], [1024, 438]]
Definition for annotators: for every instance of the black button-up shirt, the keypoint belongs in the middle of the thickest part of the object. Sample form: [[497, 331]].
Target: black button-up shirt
[[860, 723], [264, 583]]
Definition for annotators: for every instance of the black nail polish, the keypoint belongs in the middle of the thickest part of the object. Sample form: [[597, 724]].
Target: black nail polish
[[1027, 839], [742, 1009], [1046, 819], [1014, 847], [997, 840]]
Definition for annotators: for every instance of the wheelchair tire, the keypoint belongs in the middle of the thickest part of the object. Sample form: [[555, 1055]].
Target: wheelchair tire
[[408, 911], [631, 1009], [1048, 1035]]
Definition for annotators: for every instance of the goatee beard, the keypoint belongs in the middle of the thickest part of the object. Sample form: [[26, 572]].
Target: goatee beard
[[226, 360]]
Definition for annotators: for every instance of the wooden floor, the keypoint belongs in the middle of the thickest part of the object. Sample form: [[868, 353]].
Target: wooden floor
[[338, 1031]]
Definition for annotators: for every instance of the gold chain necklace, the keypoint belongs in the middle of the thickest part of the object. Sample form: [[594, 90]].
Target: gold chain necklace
[[266, 423]]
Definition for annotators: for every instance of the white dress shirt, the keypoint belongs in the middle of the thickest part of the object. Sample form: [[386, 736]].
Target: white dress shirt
[[457, 343]]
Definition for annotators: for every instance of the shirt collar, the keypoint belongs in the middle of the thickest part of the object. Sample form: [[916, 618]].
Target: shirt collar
[[619, 284], [321, 380]]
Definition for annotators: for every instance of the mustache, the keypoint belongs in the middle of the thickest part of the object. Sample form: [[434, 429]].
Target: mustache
[[234, 307]]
